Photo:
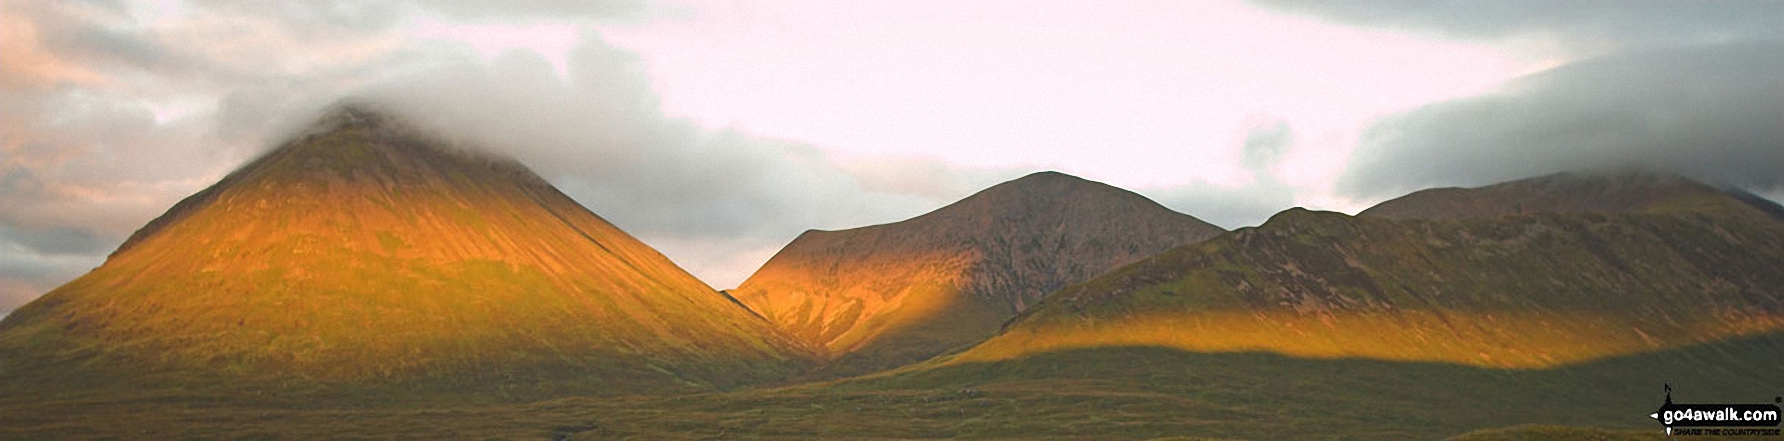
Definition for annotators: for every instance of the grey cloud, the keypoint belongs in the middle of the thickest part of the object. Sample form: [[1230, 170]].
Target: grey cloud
[[40, 270], [60, 241], [1774, 195], [316, 16], [1581, 24], [1712, 112], [101, 43], [15, 293], [76, 177], [32, 262], [102, 38], [97, 162], [339, 14], [601, 136], [180, 59], [76, 159], [83, 163], [524, 9], [1246, 205], [1265, 145], [119, 7], [1228, 208], [365, 16]]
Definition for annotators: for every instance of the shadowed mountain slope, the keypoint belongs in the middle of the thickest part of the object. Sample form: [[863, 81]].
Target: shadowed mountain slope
[[1624, 192], [1515, 291], [885, 295], [364, 251]]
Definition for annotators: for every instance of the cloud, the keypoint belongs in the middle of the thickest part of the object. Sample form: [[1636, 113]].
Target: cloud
[[723, 262], [56, 241], [33, 262], [1227, 207], [1262, 149], [98, 42], [79, 171], [374, 16], [1265, 145], [1712, 112], [73, 159], [711, 199], [533, 9], [26, 254], [111, 113], [1580, 25]]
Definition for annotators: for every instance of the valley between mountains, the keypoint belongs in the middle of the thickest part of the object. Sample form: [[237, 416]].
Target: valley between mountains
[[366, 280]]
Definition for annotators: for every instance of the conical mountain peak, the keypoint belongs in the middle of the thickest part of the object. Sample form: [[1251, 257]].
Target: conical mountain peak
[[359, 143], [363, 249], [352, 150], [1044, 181], [1043, 192]]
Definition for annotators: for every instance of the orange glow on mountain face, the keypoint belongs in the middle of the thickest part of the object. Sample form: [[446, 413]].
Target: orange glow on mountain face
[[845, 308], [365, 251]]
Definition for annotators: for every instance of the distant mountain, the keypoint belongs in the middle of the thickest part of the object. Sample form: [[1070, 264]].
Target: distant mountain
[[1620, 192], [1655, 264], [886, 295], [364, 251]]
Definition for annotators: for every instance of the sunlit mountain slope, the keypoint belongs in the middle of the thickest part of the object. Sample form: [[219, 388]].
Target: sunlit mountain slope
[[886, 295], [363, 250]]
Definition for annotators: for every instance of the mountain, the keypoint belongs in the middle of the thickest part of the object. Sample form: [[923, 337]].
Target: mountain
[[1320, 325], [365, 251], [885, 295], [1511, 291], [1631, 191]]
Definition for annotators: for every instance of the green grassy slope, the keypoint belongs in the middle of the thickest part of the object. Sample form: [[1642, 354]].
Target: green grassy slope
[[363, 252]]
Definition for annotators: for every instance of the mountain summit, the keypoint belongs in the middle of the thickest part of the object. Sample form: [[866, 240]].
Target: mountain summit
[[1630, 191], [886, 295], [365, 250]]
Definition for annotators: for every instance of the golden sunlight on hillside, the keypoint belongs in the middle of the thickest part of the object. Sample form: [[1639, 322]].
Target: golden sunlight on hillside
[[843, 310], [1504, 339], [364, 251]]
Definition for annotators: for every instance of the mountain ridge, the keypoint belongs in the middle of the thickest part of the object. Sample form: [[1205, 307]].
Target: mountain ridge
[[1507, 291], [1622, 191], [888, 294]]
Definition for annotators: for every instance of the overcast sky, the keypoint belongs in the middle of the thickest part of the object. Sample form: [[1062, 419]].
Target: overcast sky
[[719, 130]]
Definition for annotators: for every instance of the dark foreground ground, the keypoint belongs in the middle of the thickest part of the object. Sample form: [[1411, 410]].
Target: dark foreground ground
[[1110, 393]]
